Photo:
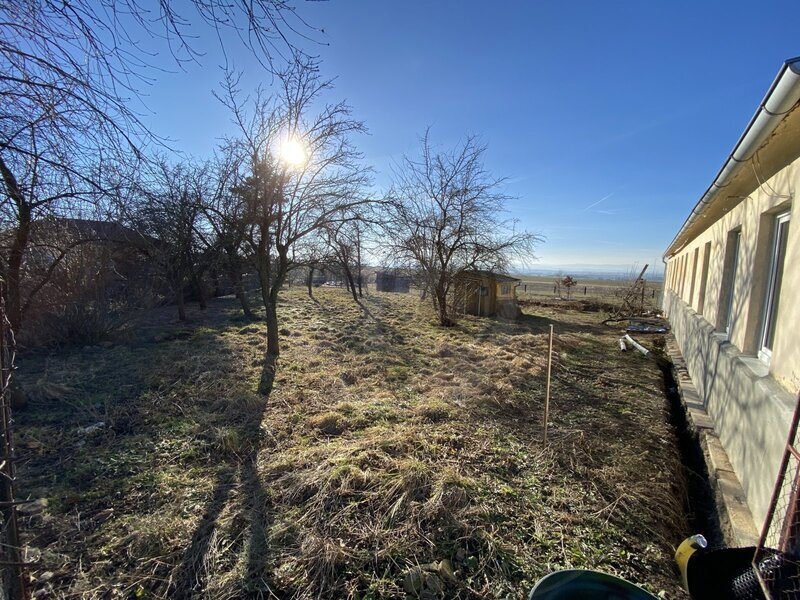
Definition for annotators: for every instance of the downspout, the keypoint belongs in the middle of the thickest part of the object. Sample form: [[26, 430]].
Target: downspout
[[779, 100]]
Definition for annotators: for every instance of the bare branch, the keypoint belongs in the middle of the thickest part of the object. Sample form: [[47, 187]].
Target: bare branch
[[445, 218]]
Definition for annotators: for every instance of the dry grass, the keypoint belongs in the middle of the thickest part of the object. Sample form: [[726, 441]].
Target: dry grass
[[388, 448]]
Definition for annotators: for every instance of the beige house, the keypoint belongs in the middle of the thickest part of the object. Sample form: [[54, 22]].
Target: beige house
[[485, 294], [732, 292]]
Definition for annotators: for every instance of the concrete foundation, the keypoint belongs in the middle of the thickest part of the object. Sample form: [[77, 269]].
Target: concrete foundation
[[736, 399]]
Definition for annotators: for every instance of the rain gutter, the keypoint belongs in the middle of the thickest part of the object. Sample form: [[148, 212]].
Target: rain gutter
[[782, 96]]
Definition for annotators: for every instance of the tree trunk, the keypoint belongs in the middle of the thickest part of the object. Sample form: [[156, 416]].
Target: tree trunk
[[238, 287], [273, 343], [310, 282], [179, 300], [351, 284], [441, 302], [270, 283], [215, 280], [197, 284], [13, 295], [358, 265], [273, 349], [13, 576]]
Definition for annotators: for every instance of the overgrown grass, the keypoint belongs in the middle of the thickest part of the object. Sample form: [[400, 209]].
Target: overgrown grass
[[392, 455]]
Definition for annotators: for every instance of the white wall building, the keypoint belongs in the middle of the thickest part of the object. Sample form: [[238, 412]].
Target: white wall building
[[732, 291]]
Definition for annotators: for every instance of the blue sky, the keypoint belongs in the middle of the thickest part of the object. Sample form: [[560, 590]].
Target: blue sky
[[609, 119]]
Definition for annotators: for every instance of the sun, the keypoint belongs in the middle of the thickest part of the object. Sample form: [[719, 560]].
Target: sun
[[291, 152]]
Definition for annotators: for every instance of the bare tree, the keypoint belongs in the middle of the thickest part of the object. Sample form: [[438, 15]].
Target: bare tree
[[568, 282], [43, 187], [446, 218], [68, 74], [167, 215], [224, 212], [303, 175], [314, 255], [344, 240]]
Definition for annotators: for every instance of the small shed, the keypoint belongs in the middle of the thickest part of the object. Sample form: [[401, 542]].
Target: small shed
[[485, 294], [392, 281]]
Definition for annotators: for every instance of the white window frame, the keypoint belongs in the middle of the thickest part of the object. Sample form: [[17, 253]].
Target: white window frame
[[771, 298]]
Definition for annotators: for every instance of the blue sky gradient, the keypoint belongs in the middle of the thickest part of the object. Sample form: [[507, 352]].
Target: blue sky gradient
[[609, 119]]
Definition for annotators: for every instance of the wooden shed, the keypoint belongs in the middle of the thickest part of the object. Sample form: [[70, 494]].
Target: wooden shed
[[485, 294], [392, 281]]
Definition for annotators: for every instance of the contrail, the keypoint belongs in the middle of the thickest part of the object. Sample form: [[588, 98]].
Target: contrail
[[593, 204]]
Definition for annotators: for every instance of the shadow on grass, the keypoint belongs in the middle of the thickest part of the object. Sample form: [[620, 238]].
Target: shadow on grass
[[196, 567], [192, 573], [162, 391], [239, 473], [527, 324]]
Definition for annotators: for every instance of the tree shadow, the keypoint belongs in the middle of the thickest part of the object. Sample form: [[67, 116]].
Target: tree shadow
[[527, 324], [268, 372], [238, 482], [256, 579], [368, 313], [314, 299], [192, 573], [238, 507]]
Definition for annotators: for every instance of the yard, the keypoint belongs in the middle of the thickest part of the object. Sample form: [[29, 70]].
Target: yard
[[392, 456]]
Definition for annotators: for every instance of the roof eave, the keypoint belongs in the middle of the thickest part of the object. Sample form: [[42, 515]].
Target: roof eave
[[780, 99]]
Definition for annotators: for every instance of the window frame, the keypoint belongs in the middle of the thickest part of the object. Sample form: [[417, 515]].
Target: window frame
[[701, 294], [693, 280], [728, 289], [772, 291]]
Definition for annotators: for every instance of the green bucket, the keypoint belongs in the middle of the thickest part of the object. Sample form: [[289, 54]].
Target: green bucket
[[578, 584]]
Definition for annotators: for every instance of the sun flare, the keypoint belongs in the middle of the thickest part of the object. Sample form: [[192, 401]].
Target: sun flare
[[292, 152]]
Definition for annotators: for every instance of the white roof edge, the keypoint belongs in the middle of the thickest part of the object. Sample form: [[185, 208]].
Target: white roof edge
[[782, 96]]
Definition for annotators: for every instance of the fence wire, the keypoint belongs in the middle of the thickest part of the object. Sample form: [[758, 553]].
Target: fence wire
[[13, 578], [777, 559]]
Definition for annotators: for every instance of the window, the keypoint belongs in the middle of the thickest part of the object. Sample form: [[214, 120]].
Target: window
[[694, 275], [684, 275], [726, 313], [668, 275], [701, 295], [681, 275], [505, 289], [780, 236]]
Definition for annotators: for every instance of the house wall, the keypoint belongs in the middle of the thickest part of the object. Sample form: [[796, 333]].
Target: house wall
[[512, 290], [467, 295], [506, 304], [751, 401], [389, 282]]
